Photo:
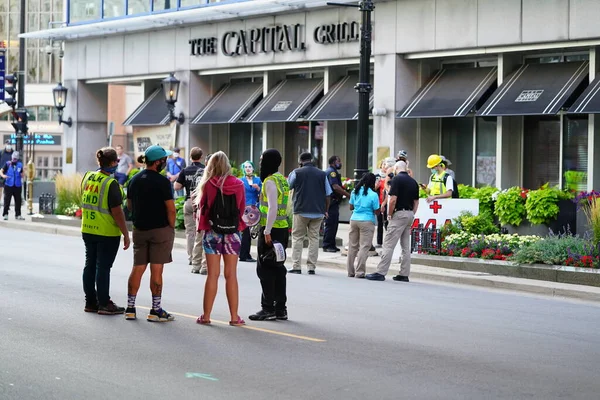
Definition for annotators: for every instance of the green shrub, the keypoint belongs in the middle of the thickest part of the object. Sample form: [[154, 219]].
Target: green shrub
[[485, 195], [542, 205], [179, 218], [466, 192], [552, 250], [68, 193], [482, 224], [592, 213], [510, 206]]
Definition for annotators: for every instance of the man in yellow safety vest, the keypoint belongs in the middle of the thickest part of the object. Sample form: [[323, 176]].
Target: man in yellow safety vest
[[441, 183]]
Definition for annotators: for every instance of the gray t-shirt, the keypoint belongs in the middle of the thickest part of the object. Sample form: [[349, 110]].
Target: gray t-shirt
[[124, 162]]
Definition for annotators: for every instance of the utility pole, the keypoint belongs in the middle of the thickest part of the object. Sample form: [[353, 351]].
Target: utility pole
[[363, 87], [21, 81]]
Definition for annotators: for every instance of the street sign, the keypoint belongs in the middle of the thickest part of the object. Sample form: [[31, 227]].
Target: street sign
[[2, 73]]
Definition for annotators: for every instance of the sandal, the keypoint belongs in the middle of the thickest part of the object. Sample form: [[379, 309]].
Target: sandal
[[239, 322], [202, 321]]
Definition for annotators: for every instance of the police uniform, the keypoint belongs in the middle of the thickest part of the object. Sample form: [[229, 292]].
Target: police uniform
[[189, 178], [331, 223], [101, 235], [272, 277], [13, 185]]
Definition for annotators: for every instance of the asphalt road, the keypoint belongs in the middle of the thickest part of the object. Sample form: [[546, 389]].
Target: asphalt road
[[346, 338]]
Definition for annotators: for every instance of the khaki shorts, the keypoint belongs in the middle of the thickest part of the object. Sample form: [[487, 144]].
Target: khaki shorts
[[153, 246]]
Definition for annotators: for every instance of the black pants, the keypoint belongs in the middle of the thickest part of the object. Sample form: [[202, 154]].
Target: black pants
[[100, 254], [272, 276], [331, 226], [380, 223], [9, 192], [246, 244]]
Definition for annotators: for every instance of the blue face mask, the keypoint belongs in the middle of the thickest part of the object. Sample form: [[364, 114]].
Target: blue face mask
[[110, 170], [434, 171]]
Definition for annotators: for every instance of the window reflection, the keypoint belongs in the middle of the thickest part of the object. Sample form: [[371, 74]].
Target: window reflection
[[85, 10], [114, 8], [138, 7], [164, 4]]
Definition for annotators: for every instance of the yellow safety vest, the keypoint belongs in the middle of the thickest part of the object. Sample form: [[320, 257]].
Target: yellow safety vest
[[283, 191], [96, 217], [436, 184]]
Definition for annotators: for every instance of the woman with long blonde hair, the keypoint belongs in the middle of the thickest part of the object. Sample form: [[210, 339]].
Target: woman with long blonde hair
[[220, 201]]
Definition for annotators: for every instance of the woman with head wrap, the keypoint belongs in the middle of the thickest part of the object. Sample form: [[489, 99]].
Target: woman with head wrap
[[274, 232], [252, 186]]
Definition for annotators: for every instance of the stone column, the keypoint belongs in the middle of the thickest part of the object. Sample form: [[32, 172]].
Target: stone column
[[593, 131], [87, 105]]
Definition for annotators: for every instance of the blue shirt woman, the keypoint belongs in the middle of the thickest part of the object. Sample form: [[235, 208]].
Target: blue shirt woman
[[252, 184], [365, 206]]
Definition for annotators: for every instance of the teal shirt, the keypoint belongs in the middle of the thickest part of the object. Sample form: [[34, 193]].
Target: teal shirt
[[364, 206]]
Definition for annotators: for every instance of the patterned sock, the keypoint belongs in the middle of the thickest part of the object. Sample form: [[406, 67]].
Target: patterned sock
[[131, 300], [156, 303]]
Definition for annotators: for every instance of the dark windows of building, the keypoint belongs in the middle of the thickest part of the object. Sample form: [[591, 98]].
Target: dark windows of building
[[240, 137], [352, 147], [575, 153], [257, 143], [457, 146], [541, 151], [296, 143], [485, 152]]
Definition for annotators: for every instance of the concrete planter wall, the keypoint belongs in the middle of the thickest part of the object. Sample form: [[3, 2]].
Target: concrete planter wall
[[567, 220]]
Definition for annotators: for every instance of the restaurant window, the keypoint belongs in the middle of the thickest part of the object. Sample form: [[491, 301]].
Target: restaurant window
[[240, 136], [296, 143], [541, 151], [316, 141], [485, 152], [43, 113], [352, 147], [575, 153], [257, 143], [457, 146]]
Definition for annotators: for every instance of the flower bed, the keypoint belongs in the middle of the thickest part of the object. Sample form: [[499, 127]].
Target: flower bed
[[490, 247]]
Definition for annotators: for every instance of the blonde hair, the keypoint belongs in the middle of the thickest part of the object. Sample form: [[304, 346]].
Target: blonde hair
[[217, 166]]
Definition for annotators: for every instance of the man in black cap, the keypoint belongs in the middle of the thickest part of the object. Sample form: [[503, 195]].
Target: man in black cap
[[311, 203], [274, 227]]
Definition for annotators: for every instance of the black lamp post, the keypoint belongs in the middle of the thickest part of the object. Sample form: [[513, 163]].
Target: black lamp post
[[60, 101], [170, 86], [363, 87]]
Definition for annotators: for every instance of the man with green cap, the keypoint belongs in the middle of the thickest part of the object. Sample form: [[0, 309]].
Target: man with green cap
[[150, 199]]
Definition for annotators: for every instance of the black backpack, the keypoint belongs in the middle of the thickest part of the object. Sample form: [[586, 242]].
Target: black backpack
[[224, 215], [455, 194]]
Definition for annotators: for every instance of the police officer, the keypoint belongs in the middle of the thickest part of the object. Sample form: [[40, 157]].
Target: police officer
[[188, 179], [441, 183], [103, 223], [12, 172], [332, 220], [273, 227]]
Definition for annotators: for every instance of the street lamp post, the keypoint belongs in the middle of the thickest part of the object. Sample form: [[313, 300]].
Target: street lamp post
[[59, 94], [363, 87], [170, 86]]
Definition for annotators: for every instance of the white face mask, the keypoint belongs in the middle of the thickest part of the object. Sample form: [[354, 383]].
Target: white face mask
[[8, 148], [175, 155]]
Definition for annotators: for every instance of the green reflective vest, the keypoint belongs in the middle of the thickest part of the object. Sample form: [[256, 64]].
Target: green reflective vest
[[96, 217], [436, 184], [283, 191]]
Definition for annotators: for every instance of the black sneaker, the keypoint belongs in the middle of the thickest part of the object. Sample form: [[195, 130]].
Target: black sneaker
[[401, 278], [130, 313], [91, 307], [311, 271], [281, 315], [110, 309], [160, 316], [295, 271], [263, 315]]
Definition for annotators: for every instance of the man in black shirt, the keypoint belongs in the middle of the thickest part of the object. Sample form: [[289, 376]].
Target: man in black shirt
[[189, 179], [150, 199], [403, 204]]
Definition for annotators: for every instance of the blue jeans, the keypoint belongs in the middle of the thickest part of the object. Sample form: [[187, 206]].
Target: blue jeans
[[100, 254]]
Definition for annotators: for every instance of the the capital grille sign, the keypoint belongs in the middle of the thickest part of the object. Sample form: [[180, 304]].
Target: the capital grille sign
[[529, 96]]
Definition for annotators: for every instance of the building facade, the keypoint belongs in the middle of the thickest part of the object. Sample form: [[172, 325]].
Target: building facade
[[505, 90], [43, 70]]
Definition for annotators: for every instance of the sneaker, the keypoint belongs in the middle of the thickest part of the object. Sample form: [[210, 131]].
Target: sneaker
[[130, 313], [195, 271], [110, 309], [203, 271], [281, 315], [400, 278], [311, 271], [263, 315], [375, 277], [91, 307], [6, 217], [19, 218], [160, 316], [295, 271]]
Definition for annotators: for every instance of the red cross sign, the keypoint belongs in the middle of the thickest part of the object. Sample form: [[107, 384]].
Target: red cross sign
[[435, 206]]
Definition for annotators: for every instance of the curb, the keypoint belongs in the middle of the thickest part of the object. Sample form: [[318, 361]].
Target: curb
[[419, 271]]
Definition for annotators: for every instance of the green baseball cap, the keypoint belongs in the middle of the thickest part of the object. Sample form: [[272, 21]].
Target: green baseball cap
[[156, 152]]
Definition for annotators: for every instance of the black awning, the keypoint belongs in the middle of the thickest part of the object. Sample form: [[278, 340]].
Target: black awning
[[589, 101], [230, 103], [153, 111], [451, 93], [537, 89], [340, 103], [287, 101]]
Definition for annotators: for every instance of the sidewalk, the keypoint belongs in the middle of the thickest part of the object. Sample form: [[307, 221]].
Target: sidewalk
[[418, 272]]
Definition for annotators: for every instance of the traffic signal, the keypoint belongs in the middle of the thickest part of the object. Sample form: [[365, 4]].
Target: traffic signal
[[11, 90], [20, 121]]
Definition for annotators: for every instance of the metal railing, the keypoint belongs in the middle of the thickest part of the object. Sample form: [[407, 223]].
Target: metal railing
[[425, 240]]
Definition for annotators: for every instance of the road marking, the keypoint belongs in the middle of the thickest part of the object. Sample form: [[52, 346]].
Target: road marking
[[252, 328], [200, 375]]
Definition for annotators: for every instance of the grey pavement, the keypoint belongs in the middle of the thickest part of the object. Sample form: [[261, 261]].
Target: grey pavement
[[346, 338], [338, 261]]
